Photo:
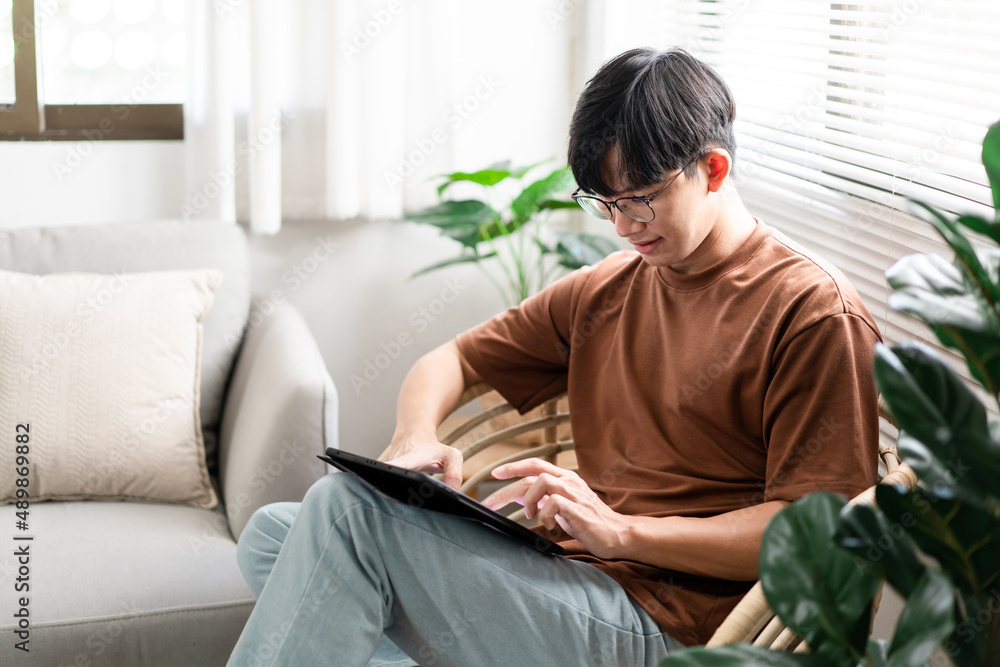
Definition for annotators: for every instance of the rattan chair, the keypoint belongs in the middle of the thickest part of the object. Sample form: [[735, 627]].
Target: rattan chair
[[492, 434]]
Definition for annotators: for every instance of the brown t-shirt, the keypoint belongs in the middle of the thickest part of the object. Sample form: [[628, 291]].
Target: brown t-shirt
[[697, 394]]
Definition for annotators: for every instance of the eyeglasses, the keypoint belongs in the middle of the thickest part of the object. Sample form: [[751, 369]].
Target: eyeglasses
[[637, 208]]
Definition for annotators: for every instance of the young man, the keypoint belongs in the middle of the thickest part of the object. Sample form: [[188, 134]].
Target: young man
[[713, 378]]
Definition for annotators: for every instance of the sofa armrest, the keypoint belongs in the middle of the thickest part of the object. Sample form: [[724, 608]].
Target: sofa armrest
[[280, 412]]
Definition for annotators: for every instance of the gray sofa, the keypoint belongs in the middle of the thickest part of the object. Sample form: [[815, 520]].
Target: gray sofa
[[131, 583]]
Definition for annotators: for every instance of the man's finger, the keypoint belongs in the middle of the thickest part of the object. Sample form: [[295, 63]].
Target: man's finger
[[528, 467], [512, 493]]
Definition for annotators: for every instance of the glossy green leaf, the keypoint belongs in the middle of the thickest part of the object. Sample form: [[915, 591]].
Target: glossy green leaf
[[964, 538], [965, 255], [461, 220], [881, 546], [813, 586], [927, 620], [975, 640], [551, 204], [464, 258], [526, 204], [982, 225], [578, 250], [878, 652], [741, 655], [932, 404], [485, 177], [991, 160], [932, 290]]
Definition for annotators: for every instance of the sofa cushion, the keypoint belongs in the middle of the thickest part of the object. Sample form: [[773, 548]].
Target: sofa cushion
[[155, 246], [124, 584], [100, 381]]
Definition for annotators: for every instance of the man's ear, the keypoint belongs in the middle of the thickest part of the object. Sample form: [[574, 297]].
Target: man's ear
[[719, 165]]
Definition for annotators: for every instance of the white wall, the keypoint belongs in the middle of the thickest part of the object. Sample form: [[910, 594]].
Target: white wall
[[75, 183], [370, 320]]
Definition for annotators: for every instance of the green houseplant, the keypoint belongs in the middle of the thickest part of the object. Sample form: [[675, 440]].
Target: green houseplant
[[822, 562], [510, 234]]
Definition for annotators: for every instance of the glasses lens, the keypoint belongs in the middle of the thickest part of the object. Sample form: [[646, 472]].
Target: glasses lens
[[594, 207], [637, 209]]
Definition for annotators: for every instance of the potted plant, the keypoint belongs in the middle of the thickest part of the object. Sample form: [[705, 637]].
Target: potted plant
[[822, 561], [508, 238]]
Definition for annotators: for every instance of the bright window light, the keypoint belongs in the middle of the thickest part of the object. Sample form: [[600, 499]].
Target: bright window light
[[112, 51], [6, 53]]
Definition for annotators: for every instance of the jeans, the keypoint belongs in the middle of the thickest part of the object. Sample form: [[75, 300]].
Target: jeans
[[350, 578]]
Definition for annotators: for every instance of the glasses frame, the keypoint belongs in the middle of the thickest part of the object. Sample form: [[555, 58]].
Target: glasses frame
[[577, 196]]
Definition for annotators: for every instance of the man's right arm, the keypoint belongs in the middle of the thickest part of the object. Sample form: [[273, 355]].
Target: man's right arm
[[430, 392]]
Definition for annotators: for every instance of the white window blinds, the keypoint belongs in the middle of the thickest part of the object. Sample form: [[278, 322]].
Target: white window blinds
[[844, 111]]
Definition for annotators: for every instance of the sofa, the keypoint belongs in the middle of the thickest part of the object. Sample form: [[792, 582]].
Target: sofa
[[139, 582]]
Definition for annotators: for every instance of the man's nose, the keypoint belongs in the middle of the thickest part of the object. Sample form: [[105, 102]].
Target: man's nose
[[624, 225]]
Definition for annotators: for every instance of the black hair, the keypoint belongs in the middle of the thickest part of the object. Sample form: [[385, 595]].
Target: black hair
[[661, 108]]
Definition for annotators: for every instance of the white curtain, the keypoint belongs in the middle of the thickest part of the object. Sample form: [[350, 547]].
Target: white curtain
[[308, 109]]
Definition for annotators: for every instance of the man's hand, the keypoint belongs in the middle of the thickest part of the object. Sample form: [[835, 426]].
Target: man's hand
[[428, 455], [560, 498]]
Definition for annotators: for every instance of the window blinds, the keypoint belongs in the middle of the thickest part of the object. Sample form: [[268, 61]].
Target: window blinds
[[844, 110]]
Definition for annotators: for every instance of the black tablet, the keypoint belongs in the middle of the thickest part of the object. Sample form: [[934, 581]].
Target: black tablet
[[419, 490]]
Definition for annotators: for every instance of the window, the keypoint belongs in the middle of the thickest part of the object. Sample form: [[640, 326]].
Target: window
[[92, 69]]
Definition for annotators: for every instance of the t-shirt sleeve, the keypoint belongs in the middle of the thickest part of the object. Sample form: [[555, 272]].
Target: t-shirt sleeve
[[523, 352], [821, 411]]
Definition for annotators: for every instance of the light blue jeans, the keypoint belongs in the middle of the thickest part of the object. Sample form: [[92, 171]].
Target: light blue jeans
[[350, 578]]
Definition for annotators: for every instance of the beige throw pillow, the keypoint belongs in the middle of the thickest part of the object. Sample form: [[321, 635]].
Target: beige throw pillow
[[102, 373]]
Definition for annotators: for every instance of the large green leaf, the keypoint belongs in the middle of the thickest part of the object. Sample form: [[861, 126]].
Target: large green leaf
[[813, 586], [461, 220], [578, 250], [927, 620], [741, 655], [982, 225], [991, 160], [965, 255], [932, 404], [932, 290], [526, 204], [963, 538], [881, 546], [486, 177]]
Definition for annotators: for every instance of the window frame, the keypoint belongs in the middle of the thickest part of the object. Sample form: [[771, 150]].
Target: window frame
[[30, 119]]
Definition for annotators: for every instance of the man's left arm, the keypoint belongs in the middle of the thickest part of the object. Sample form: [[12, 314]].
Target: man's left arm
[[725, 546]]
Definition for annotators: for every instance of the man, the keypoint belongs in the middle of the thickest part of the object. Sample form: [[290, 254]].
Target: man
[[713, 378]]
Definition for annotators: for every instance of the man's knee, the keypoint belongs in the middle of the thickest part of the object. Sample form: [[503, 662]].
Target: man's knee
[[334, 488]]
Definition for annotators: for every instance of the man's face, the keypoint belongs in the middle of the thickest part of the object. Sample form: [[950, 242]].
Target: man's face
[[682, 218]]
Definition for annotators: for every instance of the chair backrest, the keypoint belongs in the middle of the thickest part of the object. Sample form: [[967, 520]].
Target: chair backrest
[[160, 245]]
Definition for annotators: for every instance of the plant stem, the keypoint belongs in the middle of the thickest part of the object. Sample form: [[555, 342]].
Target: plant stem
[[503, 265]]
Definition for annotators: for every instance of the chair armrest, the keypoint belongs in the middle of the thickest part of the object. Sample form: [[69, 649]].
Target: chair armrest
[[280, 412]]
